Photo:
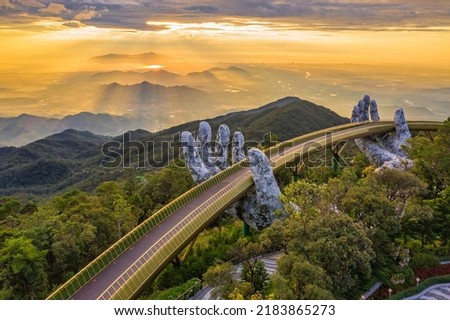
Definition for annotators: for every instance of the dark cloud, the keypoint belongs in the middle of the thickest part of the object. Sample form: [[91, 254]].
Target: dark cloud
[[5, 4], [31, 3], [334, 14], [203, 9]]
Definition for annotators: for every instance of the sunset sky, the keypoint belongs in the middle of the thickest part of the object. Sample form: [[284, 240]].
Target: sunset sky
[[45, 36]]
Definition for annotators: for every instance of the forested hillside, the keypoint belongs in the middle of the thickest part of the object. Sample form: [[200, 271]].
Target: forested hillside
[[73, 159]]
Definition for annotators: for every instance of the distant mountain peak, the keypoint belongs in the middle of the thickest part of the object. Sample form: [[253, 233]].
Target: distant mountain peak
[[145, 58], [26, 115], [147, 84], [237, 69], [231, 68], [206, 74], [83, 113], [116, 55], [281, 102], [70, 134]]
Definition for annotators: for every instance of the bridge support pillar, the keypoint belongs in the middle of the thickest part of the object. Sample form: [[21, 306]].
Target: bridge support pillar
[[336, 151], [429, 135], [335, 160], [296, 169], [179, 260], [245, 230]]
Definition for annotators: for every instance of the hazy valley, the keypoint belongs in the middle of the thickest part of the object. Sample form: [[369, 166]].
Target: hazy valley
[[154, 98]]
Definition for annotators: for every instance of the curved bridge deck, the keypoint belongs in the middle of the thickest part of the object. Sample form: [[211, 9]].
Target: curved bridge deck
[[124, 269]]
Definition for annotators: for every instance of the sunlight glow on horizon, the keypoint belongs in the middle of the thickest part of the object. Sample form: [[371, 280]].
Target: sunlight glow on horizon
[[63, 46], [210, 27], [46, 52], [154, 66]]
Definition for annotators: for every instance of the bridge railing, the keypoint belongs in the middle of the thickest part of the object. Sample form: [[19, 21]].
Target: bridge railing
[[169, 246], [97, 265], [301, 139]]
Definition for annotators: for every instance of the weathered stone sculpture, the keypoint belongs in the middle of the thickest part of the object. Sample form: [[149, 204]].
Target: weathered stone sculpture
[[222, 143], [364, 108], [194, 162], [388, 152], [204, 132], [238, 142], [258, 208], [355, 114], [381, 157], [204, 142], [205, 148], [395, 143], [374, 116]]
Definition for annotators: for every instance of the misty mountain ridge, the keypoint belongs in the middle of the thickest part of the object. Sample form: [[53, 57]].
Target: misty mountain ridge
[[23, 129], [149, 98], [288, 117], [411, 113], [71, 159], [144, 58], [217, 78], [229, 87], [51, 164]]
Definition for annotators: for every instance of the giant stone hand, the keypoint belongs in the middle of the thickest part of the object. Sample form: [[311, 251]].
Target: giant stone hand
[[204, 160], [388, 151]]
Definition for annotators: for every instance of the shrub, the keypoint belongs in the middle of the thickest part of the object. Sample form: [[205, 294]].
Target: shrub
[[176, 292], [423, 260], [397, 277], [427, 283]]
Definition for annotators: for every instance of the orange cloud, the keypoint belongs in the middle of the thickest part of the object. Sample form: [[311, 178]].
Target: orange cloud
[[90, 12], [55, 9]]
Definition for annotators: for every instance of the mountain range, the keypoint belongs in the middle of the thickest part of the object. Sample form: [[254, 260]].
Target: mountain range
[[161, 96], [21, 130], [143, 58], [160, 102], [72, 159]]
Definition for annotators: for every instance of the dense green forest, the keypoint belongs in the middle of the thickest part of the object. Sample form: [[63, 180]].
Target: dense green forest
[[43, 245], [343, 231]]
